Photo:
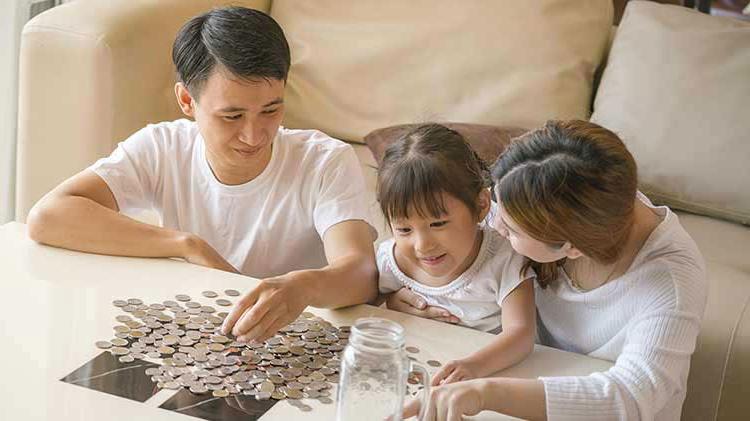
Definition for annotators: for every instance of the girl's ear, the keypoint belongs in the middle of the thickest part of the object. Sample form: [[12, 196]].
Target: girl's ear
[[570, 251], [484, 202]]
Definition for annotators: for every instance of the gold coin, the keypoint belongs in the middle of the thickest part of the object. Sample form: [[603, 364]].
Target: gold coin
[[221, 393]]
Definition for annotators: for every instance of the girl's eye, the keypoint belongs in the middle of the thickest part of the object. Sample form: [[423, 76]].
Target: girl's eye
[[403, 231], [438, 224]]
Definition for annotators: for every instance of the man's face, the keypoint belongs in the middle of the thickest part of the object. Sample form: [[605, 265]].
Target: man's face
[[238, 120]]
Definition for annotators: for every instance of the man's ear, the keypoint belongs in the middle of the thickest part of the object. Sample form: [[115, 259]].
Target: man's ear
[[570, 251], [484, 202], [184, 99]]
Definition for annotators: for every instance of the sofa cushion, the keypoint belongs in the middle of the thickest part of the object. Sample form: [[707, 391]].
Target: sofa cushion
[[488, 141], [362, 65], [676, 89]]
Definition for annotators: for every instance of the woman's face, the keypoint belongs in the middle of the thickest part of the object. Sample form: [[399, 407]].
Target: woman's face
[[523, 243]]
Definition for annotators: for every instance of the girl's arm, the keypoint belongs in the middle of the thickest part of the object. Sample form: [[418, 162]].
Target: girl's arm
[[512, 345]]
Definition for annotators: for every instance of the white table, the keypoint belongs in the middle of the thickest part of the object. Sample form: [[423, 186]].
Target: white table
[[56, 303]]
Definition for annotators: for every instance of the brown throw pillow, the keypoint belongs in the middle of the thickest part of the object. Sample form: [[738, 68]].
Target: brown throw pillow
[[488, 141]]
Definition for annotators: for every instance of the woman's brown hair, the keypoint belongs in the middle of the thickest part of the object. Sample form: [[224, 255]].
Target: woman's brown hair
[[570, 181], [425, 162]]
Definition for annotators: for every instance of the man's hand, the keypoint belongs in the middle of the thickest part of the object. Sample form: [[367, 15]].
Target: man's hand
[[199, 252], [456, 371], [273, 304], [450, 402], [406, 301]]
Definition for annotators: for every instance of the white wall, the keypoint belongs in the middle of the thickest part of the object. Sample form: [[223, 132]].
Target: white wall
[[12, 15]]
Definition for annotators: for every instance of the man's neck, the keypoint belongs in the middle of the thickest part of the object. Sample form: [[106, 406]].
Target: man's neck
[[235, 175]]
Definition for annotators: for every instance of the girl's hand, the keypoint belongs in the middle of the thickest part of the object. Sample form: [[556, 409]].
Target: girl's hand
[[456, 371], [450, 402], [406, 301]]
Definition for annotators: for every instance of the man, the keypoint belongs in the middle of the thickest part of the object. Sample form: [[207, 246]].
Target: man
[[234, 190]]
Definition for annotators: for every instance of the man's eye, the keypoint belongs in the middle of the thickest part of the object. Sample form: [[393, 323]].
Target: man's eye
[[233, 117], [270, 111]]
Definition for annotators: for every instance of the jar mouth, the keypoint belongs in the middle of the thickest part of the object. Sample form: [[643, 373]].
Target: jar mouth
[[375, 332]]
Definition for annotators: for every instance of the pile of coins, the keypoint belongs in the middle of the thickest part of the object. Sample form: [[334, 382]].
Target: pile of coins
[[300, 362]]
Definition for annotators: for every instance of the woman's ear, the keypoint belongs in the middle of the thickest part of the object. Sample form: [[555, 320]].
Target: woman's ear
[[484, 202], [184, 99], [570, 251]]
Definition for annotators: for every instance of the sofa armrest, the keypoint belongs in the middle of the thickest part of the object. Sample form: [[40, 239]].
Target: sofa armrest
[[91, 73]]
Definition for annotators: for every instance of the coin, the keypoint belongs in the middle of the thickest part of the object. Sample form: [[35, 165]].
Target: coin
[[325, 400], [182, 297], [198, 389], [232, 292], [434, 363], [262, 396], [117, 350], [412, 349], [126, 359], [221, 393], [104, 344], [119, 303], [209, 294], [223, 302]]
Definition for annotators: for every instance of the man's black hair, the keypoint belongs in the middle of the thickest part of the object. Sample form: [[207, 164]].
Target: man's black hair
[[247, 43]]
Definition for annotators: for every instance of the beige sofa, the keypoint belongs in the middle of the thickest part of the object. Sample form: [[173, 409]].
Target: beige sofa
[[94, 71]]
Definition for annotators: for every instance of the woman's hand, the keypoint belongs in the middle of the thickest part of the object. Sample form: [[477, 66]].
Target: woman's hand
[[450, 402], [406, 301], [456, 371]]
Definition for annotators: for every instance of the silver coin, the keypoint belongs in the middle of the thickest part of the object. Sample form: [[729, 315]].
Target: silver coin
[[126, 359], [210, 294], [119, 342], [198, 389], [223, 302], [182, 297], [263, 396], [135, 301], [104, 344], [221, 393], [325, 400], [119, 303], [412, 349], [232, 292], [117, 350], [434, 363]]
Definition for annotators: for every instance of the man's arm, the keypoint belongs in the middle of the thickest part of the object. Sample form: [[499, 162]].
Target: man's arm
[[82, 214], [350, 278]]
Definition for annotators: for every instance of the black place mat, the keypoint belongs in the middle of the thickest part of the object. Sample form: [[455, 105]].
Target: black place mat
[[208, 407], [105, 373]]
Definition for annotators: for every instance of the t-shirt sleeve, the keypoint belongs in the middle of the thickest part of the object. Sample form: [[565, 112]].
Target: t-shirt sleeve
[[341, 195], [510, 277], [650, 370], [387, 281], [131, 171]]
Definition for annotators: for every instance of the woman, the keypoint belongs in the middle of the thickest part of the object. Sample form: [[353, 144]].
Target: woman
[[617, 279]]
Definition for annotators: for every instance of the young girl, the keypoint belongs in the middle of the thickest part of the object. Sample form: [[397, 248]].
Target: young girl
[[433, 191]]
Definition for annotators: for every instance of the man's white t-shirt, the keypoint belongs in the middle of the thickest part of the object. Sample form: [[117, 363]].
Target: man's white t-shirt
[[266, 227]]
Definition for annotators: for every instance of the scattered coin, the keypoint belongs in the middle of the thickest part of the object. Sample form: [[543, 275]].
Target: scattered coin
[[412, 349], [221, 393], [300, 362], [434, 363], [232, 292], [103, 344]]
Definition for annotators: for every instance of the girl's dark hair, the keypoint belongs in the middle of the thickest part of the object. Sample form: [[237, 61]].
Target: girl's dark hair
[[245, 42], [429, 160], [569, 181]]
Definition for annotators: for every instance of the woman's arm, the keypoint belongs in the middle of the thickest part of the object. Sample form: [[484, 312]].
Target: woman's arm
[[513, 344], [522, 398]]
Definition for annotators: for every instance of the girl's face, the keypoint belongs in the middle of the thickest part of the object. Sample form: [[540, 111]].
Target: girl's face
[[523, 243], [440, 248]]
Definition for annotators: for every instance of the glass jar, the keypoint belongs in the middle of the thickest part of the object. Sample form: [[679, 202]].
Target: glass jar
[[374, 372]]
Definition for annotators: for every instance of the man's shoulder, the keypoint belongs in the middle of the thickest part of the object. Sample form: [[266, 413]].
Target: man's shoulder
[[313, 144], [167, 137]]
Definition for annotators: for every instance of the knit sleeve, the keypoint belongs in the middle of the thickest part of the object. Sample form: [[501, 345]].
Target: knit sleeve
[[651, 369]]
